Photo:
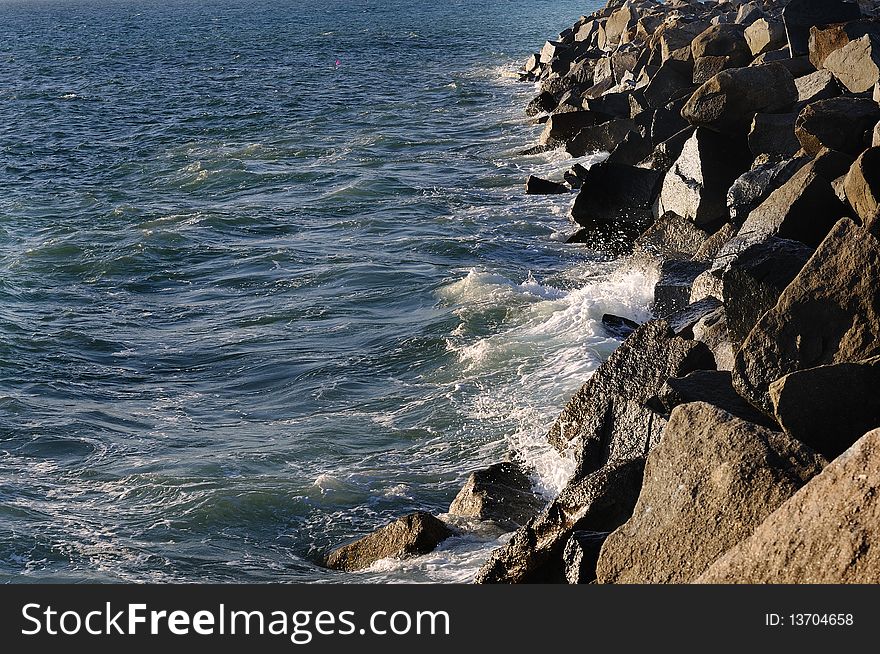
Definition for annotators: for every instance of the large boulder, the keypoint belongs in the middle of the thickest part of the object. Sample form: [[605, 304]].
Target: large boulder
[[816, 86], [830, 313], [712, 480], [563, 127], [501, 493], [725, 40], [673, 80], [751, 188], [825, 39], [857, 64], [765, 35], [604, 137], [827, 533], [862, 188], [672, 237], [829, 407], [843, 124], [599, 502], [755, 279], [729, 101], [411, 535], [697, 183], [800, 15], [672, 291], [609, 418], [773, 135]]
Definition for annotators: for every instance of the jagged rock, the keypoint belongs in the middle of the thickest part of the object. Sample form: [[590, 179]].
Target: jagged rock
[[752, 187], [633, 149], [411, 535], [598, 502], [543, 102], [875, 138], [838, 124], [672, 237], [803, 209], [825, 39], [501, 493], [765, 35], [618, 326], [616, 196], [712, 480], [563, 127], [604, 137], [800, 15], [533, 63], [581, 554], [728, 101], [797, 66], [712, 245], [666, 122], [825, 534], [725, 40], [748, 13], [705, 68], [553, 50], [755, 279], [829, 407], [666, 152], [712, 330], [830, 313], [682, 321], [862, 188], [538, 186], [773, 134], [673, 289], [696, 185], [857, 64], [672, 81], [607, 419], [617, 25], [712, 387], [820, 85]]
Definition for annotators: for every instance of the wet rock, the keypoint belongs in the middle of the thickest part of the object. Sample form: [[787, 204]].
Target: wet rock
[[697, 183], [543, 102], [538, 186], [712, 480], [857, 64], [563, 127], [825, 534], [599, 502], [773, 134], [830, 313], [411, 535], [820, 85], [604, 137], [800, 15], [841, 124], [728, 101], [765, 35], [751, 188], [608, 418], [682, 321], [755, 279], [616, 196], [633, 149], [673, 290], [501, 493], [712, 245], [713, 387], [618, 326], [862, 188], [666, 122], [672, 237], [829, 407], [581, 554]]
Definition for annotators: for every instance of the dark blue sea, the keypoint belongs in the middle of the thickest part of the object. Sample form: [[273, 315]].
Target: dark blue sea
[[269, 279]]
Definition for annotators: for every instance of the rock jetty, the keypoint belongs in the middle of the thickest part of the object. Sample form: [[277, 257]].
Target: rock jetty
[[734, 437]]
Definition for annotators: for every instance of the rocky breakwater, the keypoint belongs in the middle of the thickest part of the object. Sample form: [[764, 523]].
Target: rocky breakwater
[[731, 438]]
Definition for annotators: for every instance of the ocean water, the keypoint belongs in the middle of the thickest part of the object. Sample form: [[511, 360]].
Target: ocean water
[[268, 279]]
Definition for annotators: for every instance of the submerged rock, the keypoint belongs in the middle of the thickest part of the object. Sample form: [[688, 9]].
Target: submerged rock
[[538, 186], [712, 480], [411, 535], [827, 533]]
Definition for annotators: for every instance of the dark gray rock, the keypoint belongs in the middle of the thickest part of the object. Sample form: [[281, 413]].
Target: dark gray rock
[[544, 102], [672, 81], [501, 493], [712, 330], [709, 483], [728, 101], [598, 502], [800, 15], [411, 535], [604, 137], [751, 188], [618, 326], [697, 183], [664, 155], [563, 127], [842, 124], [683, 321], [673, 289], [755, 279], [773, 135], [725, 40], [830, 313], [608, 418], [538, 186], [829, 407]]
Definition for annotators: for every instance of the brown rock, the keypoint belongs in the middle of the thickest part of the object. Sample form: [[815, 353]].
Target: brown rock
[[501, 493], [712, 480], [830, 313], [411, 535], [857, 64], [800, 15], [765, 35], [725, 40], [820, 85], [825, 534], [862, 188], [825, 39]]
